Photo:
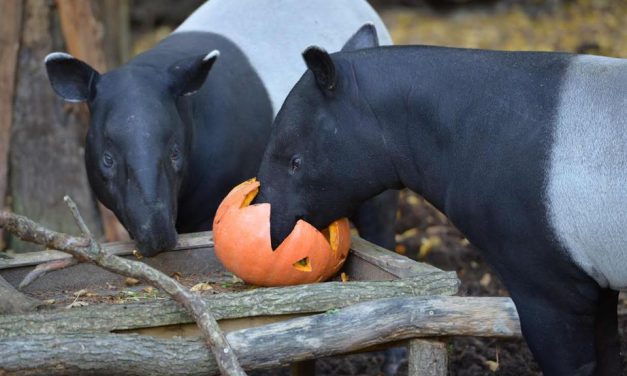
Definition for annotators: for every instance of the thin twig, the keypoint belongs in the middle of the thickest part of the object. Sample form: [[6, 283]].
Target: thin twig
[[89, 250], [80, 222]]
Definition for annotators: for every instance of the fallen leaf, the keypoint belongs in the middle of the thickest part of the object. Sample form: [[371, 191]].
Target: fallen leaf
[[137, 254], [427, 244], [201, 287], [76, 304], [485, 280], [492, 365], [131, 281], [344, 277]]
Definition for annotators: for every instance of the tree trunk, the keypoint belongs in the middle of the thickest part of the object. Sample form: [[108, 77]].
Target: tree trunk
[[10, 28], [46, 156], [100, 44]]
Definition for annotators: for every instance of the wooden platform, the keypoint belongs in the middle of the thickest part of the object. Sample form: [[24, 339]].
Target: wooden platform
[[253, 314]]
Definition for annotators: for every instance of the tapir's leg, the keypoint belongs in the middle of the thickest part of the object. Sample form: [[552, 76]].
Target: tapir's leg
[[562, 341], [609, 361], [375, 219], [558, 316]]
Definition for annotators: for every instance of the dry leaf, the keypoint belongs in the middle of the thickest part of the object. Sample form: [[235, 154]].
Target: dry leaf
[[201, 287], [76, 304], [148, 289], [485, 280], [492, 365], [344, 277], [427, 244], [137, 255], [131, 281]]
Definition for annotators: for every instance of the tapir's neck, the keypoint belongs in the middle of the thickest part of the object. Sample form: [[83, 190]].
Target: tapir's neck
[[451, 115]]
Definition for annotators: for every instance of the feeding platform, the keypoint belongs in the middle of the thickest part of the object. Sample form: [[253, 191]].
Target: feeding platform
[[387, 298]]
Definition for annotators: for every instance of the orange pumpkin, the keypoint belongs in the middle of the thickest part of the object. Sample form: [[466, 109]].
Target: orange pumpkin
[[242, 243]]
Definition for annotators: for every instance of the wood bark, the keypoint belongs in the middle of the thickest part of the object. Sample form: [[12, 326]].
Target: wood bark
[[427, 358], [258, 302], [12, 301], [84, 37], [10, 29], [46, 158], [87, 249], [336, 332]]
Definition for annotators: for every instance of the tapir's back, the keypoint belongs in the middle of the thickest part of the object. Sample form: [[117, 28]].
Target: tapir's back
[[274, 33], [587, 178]]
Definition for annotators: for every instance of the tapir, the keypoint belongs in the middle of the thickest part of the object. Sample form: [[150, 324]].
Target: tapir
[[525, 152], [176, 127]]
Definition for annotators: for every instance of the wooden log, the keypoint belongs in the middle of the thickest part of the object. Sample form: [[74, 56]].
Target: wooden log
[[258, 302], [10, 29], [427, 358], [336, 332], [13, 301]]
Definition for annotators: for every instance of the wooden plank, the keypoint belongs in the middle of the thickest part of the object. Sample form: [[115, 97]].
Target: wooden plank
[[427, 358], [10, 30], [398, 265], [124, 248], [312, 298], [268, 346]]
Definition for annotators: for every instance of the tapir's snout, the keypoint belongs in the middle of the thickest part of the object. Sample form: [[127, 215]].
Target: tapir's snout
[[282, 221], [152, 226], [155, 232]]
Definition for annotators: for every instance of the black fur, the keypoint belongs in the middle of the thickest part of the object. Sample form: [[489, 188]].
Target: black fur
[[471, 131], [178, 131]]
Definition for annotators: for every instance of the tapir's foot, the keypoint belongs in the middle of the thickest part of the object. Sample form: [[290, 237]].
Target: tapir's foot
[[42, 269]]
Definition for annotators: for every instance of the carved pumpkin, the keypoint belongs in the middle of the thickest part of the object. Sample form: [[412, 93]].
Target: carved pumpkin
[[242, 243]]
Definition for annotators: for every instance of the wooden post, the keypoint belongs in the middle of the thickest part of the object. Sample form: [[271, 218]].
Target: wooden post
[[84, 39], [10, 29], [45, 156], [427, 358]]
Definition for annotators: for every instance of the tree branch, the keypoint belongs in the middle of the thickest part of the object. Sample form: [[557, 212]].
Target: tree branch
[[89, 250]]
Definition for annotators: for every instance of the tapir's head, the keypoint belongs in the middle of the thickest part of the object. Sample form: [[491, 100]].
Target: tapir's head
[[137, 144], [316, 162]]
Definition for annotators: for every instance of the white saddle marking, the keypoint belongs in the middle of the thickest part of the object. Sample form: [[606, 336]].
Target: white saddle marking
[[274, 33], [587, 181]]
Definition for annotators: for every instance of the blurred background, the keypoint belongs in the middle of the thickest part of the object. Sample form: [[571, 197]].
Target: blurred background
[[33, 122]]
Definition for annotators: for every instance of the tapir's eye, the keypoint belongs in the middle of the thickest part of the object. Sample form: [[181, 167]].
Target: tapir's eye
[[107, 160], [295, 163]]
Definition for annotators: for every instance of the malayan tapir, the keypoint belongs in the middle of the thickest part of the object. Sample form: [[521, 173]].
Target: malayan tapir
[[176, 127], [525, 152]]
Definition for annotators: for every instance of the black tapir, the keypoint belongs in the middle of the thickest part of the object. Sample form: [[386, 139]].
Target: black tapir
[[525, 152], [162, 158]]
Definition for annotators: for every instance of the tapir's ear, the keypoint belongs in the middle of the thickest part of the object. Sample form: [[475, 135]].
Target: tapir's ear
[[322, 66], [365, 37], [188, 75], [71, 78]]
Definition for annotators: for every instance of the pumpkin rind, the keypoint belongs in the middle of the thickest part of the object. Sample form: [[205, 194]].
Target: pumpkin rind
[[242, 243]]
